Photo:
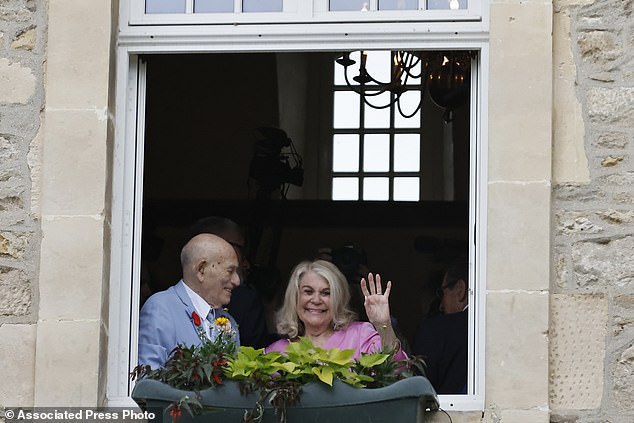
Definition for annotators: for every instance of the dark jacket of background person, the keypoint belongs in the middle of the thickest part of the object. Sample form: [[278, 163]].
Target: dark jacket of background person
[[442, 341]]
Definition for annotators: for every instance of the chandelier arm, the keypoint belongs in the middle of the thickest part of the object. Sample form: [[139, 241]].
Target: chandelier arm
[[378, 107], [360, 91]]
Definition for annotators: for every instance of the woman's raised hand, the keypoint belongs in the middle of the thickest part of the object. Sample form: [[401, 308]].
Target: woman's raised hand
[[376, 303]]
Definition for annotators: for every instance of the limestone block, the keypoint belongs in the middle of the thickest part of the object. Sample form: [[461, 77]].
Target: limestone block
[[17, 355], [17, 82], [456, 417], [71, 261], [67, 363], [16, 10], [517, 350], [520, 143], [618, 179], [524, 416], [24, 40], [74, 172], [623, 375], [15, 293], [610, 161], [570, 163], [13, 245], [578, 193], [78, 50], [604, 262], [624, 198], [599, 47], [8, 149], [611, 105], [565, 4], [623, 313], [519, 236], [569, 223], [611, 140], [617, 217], [561, 270], [578, 330], [34, 161]]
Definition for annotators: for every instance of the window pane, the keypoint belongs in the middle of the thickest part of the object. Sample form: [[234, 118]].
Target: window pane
[[345, 188], [376, 189], [262, 6], [353, 70], [345, 153], [213, 6], [447, 4], [409, 101], [377, 118], [164, 6], [406, 153], [379, 65], [376, 153], [406, 189], [398, 4], [338, 5], [346, 109]]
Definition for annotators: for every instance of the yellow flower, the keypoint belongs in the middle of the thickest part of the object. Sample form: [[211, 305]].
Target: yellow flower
[[223, 322]]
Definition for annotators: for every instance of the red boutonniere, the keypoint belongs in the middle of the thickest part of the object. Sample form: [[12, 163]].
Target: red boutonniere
[[196, 318]]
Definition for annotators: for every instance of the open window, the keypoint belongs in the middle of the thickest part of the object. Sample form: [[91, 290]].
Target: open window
[[213, 147], [199, 96]]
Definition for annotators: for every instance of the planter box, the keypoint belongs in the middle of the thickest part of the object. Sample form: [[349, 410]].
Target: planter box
[[402, 402]]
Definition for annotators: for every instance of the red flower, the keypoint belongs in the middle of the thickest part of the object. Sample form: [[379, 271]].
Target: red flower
[[196, 318], [175, 412], [216, 378]]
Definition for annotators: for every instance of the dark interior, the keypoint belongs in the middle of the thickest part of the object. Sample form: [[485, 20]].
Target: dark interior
[[202, 115]]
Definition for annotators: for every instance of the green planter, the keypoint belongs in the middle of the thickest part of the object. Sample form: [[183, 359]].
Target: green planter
[[402, 402]]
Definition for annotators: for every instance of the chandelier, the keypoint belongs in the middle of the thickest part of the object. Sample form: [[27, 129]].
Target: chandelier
[[445, 74]]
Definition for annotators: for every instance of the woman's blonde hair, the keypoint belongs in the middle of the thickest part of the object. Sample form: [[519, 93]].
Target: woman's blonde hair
[[288, 323]]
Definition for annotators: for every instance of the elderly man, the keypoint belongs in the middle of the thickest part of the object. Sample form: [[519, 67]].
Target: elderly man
[[186, 311]]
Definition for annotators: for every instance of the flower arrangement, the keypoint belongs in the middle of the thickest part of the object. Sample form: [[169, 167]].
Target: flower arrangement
[[277, 378]]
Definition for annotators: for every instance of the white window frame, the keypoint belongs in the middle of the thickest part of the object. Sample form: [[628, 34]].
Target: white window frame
[[306, 11], [127, 183]]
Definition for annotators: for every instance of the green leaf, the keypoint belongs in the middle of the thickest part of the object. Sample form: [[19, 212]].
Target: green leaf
[[324, 374], [371, 360]]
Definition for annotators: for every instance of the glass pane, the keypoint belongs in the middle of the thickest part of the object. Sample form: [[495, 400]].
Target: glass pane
[[398, 4], [377, 118], [164, 6], [213, 6], [376, 189], [345, 153], [262, 5], [346, 110], [353, 70], [339, 5], [447, 4], [345, 188], [406, 153], [379, 64], [408, 102], [376, 153], [406, 189]]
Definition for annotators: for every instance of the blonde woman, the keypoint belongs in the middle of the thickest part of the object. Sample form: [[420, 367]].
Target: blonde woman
[[316, 306]]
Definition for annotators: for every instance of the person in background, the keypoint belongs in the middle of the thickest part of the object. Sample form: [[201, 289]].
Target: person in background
[[442, 339], [316, 306], [185, 312], [246, 305]]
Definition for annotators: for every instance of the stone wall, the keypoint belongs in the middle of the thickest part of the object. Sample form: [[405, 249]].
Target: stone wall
[[22, 57], [592, 305]]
